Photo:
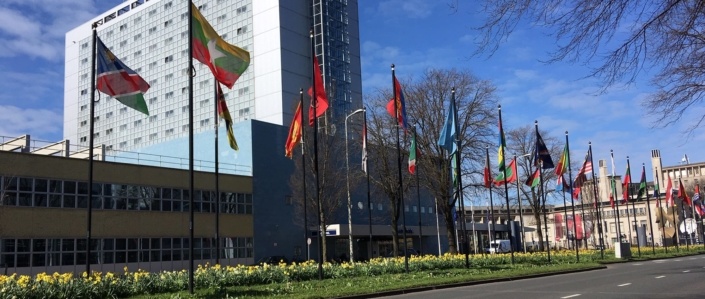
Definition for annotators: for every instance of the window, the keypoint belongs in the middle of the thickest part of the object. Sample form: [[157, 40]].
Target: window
[[152, 100], [202, 7], [84, 45], [123, 127], [138, 19], [241, 30], [184, 109], [184, 90], [204, 103], [138, 140], [184, 128], [109, 114], [138, 36], [123, 110], [84, 76], [123, 27], [84, 60], [244, 112], [137, 123], [109, 131], [168, 40], [168, 5], [169, 113], [123, 43], [169, 132], [169, 95], [138, 54], [153, 136], [205, 122], [84, 138], [96, 119], [152, 30], [242, 9], [203, 84], [152, 118], [379, 206], [169, 58], [167, 23], [152, 12], [222, 18], [152, 65], [152, 82], [83, 123], [84, 107], [84, 92], [96, 134], [123, 144], [243, 91]]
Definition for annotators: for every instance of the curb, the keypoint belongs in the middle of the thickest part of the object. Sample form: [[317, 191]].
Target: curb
[[464, 284]]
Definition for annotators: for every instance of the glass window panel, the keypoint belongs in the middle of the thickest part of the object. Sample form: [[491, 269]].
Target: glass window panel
[[166, 205], [81, 258], [156, 244], [39, 259], [108, 257], [7, 260], [166, 243], [132, 243], [55, 186], [176, 206], [83, 188], [8, 245], [120, 257], [176, 254], [70, 187], [81, 245], [69, 201], [120, 244], [156, 205], [41, 185], [155, 256], [82, 202], [23, 260], [26, 184], [39, 245], [132, 256], [40, 200], [10, 199], [23, 245], [108, 244], [24, 199], [132, 204], [144, 256], [53, 259], [166, 193], [67, 259], [144, 243]]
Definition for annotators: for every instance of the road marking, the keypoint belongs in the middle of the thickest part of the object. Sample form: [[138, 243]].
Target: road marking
[[692, 258], [678, 260], [662, 276], [624, 284], [570, 296], [638, 264], [686, 271]]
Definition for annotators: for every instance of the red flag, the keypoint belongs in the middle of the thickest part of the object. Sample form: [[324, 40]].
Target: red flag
[[398, 111], [488, 179], [321, 98], [611, 199], [669, 193], [625, 185], [295, 131], [682, 195]]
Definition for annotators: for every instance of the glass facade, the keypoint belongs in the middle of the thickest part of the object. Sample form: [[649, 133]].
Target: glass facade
[[50, 193], [72, 252], [154, 42]]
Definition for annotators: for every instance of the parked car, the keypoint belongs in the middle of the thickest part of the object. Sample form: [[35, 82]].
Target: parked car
[[499, 246]]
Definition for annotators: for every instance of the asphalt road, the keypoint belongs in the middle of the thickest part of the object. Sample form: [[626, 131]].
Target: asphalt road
[[669, 278]]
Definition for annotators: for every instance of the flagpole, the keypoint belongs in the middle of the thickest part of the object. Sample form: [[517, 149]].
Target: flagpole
[[506, 196], [702, 228], [303, 174], [565, 216], [466, 241], [648, 206], [418, 195], [321, 229], [543, 197], [491, 231], [598, 202], [680, 185], [638, 246], [582, 217], [658, 202], [367, 175], [572, 202], [89, 216], [400, 183], [675, 217], [474, 233], [190, 147], [692, 212], [217, 183], [614, 195], [521, 211], [438, 227]]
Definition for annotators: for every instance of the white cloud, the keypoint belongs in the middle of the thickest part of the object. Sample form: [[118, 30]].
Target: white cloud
[[40, 123], [414, 9]]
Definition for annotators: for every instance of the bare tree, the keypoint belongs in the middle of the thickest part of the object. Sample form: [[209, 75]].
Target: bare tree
[[426, 102], [520, 141], [331, 181], [666, 36]]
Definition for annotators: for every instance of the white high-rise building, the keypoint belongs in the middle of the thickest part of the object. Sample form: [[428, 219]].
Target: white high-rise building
[[151, 37]]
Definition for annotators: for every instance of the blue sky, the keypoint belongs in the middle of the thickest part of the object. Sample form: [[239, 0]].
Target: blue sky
[[414, 35]]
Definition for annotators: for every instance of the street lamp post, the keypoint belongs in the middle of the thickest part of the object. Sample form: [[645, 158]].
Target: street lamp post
[[347, 179]]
